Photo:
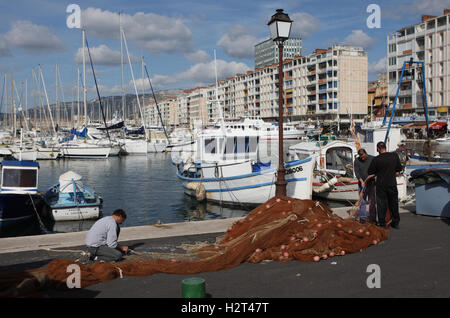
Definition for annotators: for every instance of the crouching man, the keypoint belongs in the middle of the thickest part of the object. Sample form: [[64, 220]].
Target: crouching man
[[101, 240]]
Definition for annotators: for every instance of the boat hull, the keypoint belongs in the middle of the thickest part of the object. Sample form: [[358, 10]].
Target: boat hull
[[75, 213], [349, 192], [254, 188], [18, 208], [48, 154], [81, 152], [156, 147]]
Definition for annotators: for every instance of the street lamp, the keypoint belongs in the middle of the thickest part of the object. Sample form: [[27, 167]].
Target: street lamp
[[280, 28]]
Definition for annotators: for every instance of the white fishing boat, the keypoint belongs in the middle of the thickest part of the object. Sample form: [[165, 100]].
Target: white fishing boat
[[71, 200], [334, 177], [225, 170]]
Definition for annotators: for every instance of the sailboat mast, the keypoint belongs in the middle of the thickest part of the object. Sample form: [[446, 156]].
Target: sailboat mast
[[121, 66], [48, 103], [57, 110], [84, 79], [78, 97], [13, 108], [134, 84]]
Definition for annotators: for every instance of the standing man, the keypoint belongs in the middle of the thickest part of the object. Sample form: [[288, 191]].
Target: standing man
[[366, 185], [385, 167], [101, 240]]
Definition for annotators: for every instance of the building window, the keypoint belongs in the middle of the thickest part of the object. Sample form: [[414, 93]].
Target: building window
[[392, 48], [392, 61]]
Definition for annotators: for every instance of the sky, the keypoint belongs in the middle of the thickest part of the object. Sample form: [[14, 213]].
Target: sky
[[178, 38]]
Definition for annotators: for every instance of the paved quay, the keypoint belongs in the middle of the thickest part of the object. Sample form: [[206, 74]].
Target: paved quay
[[413, 262]]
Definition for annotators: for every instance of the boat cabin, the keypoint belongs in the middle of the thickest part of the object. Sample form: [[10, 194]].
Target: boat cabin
[[371, 133], [335, 157], [19, 176], [214, 148]]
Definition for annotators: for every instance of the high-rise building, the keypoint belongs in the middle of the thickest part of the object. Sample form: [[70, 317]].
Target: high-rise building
[[266, 52], [429, 42]]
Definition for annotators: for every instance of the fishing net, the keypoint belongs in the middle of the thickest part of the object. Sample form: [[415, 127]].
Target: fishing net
[[282, 229]]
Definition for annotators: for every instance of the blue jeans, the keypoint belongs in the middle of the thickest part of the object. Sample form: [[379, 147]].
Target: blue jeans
[[368, 198]]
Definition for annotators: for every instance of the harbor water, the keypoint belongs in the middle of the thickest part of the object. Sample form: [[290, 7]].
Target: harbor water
[[146, 187]]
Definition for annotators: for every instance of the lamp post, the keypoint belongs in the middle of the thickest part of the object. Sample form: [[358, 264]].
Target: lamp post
[[280, 28]]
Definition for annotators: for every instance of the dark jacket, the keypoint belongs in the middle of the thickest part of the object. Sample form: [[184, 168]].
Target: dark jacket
[[385, 166], [361, 167]]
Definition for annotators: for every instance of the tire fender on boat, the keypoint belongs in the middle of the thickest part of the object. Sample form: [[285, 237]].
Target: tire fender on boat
[[200, 192]]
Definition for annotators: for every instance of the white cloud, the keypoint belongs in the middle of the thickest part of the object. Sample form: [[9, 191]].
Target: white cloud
[[4, 50], [304, 25], [103, 55], [204, 73], [152, 32], [32, 38], [359, 38], [238, 43], [378, 67], [198, 56]]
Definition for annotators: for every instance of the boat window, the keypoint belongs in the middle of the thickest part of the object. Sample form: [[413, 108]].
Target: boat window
[[230, 145], [365, 136], [25, 178], [253, 145], [210, 145], [340, 158]]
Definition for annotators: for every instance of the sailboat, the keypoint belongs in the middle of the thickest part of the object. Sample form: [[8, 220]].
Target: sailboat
[[81, 145]]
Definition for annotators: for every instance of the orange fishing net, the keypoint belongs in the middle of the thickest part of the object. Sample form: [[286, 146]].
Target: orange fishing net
[[282, 229]]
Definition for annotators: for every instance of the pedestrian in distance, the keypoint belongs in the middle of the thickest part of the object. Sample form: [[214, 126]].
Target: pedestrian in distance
[[385, 167], [102, 239]]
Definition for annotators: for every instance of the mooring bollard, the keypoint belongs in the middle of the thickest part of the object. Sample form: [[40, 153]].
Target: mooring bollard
[[193, 287]]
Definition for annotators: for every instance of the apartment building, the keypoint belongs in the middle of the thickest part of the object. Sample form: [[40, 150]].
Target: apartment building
[[326, 84], [167, 108], [429, 42], [377, 96], [266, 52], [329, 84]]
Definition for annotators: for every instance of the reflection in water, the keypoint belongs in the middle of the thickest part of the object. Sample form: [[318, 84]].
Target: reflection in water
[[146, 187]]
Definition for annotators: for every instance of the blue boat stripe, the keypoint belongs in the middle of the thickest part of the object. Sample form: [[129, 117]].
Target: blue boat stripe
[[226, 189], [227, 178], [296, 162], [265, 184], [296, 179]]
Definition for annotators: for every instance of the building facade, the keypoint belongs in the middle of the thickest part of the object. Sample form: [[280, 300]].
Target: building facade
[[428, 42], [329, 84], [266, 52]]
